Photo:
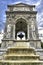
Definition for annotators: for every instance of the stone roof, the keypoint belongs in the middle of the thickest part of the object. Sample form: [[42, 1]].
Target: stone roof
[[21, 4]]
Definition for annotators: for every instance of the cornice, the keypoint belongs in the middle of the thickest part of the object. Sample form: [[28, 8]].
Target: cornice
[[26, 12]]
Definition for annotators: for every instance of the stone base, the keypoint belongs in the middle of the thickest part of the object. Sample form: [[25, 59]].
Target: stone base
[[21, 52], [21, 62], [21, 43]]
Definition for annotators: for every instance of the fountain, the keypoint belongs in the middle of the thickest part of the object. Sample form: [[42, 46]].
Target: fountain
[[20, 52]]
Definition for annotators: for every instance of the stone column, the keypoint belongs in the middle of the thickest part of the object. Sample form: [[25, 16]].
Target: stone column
[[28, 31], [14, 31], [5, 31], [36, 29]]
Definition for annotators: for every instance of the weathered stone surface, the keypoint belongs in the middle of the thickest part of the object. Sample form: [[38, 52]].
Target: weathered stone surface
[[20, 18]]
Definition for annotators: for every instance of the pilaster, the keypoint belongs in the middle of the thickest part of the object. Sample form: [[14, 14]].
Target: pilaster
[[28, 31], [14, 31]]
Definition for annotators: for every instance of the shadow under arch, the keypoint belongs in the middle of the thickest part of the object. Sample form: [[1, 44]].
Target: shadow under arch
[[21, 26]]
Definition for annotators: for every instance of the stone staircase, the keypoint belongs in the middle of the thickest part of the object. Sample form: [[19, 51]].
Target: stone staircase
[[21, 55]]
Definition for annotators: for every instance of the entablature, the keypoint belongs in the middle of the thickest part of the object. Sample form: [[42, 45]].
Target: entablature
[[21, 7], [22, 12]]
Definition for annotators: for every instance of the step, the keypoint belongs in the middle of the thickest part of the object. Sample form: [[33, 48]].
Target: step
[[30, 48], [21, 50], [20, 61], [21, 57]]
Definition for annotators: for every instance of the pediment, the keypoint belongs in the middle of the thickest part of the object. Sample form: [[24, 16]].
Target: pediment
[[21, 4]]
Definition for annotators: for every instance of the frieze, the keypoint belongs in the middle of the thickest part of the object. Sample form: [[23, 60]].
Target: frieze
[[21, 9]]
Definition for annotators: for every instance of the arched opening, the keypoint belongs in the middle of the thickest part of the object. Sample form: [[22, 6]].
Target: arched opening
[[21, 26]]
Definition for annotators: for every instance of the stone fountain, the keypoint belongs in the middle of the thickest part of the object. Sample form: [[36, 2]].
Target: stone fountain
[[21, 17]]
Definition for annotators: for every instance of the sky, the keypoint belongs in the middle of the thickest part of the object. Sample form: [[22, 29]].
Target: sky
[[37, 3]]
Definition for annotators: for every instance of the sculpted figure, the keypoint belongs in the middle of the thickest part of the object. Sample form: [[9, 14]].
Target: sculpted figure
[[8, 31]]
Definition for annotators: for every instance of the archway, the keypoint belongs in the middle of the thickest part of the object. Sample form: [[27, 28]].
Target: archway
[[21, 26]]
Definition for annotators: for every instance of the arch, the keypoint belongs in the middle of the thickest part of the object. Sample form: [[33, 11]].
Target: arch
[[21, 25], [21, 18]]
